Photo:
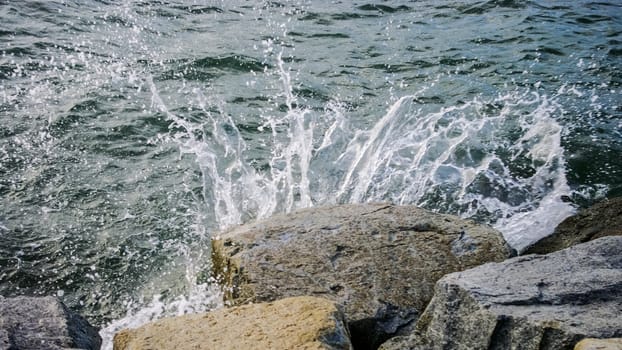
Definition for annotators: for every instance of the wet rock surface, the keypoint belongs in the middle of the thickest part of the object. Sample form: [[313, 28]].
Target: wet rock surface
[[292, 323], [600, 220], [377, 260], [530, 302], [43, 323]]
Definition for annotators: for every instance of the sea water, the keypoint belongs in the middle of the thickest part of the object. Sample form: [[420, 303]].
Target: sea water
[[131, 131]]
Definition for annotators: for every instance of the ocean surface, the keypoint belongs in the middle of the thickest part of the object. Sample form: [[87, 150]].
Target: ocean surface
[[131, 131]]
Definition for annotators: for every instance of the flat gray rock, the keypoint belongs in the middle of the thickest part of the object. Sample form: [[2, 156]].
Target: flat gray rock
[[531, 302], [379, 261], [43, 323]]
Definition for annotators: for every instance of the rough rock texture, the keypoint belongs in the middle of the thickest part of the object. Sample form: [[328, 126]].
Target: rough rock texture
[[599, 344], [292, 323], [43, 323], [377, 260], [543, 302], [600, 220]]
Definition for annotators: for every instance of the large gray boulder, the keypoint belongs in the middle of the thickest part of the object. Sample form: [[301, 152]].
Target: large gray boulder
[[43, 323], [600, 220], [543, 302], [379, 261]]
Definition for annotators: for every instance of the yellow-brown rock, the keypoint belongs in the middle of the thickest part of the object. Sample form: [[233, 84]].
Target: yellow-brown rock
[[599, 344], [292, 323]]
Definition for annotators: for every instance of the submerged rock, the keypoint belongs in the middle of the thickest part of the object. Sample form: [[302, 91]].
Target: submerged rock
[[293, 323], [600, 220], [379, 261], [543, 302], [43, 323]]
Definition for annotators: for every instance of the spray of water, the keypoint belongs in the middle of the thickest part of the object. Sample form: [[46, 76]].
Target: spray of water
[[498, 160]]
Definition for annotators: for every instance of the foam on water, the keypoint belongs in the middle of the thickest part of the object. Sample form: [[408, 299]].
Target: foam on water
[[200, 293], [200, 299]]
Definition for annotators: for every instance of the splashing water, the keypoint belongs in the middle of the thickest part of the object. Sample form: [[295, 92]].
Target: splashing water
[[499, 161], [125, 145], [467, 160]]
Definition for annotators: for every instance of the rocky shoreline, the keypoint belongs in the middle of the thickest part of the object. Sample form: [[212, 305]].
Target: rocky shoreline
[[379, 276], [379, 262]]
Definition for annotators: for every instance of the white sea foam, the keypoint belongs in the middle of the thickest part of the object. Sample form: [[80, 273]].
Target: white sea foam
[[201, 298]]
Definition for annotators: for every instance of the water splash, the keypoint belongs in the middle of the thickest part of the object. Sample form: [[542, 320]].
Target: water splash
[[201, 298], [497, 160]]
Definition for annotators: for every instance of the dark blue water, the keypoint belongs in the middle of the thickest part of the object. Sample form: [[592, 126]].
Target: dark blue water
[[130, 131]]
